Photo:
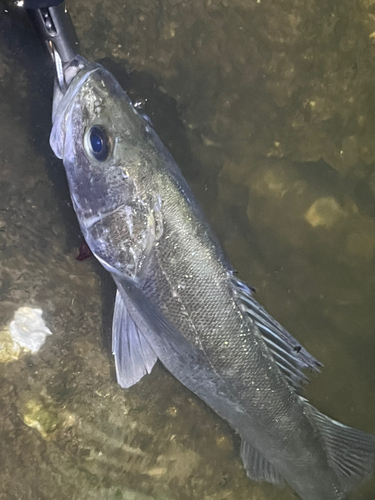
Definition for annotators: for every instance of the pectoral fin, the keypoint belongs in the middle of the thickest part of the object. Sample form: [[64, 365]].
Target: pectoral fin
[[134, 356]]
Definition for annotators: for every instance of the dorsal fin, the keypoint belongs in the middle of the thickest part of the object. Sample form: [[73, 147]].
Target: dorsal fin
[[288, 353]]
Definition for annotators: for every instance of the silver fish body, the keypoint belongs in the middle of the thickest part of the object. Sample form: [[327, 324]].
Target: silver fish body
[[179, 301]]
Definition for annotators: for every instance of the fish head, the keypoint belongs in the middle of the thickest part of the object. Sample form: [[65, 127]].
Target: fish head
[[94, 121], [99, 135]]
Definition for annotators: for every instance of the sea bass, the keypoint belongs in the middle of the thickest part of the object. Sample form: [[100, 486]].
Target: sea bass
[[178, 299]]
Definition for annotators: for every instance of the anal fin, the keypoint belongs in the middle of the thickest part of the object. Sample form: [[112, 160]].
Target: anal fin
[[257, 467], [134, 356]]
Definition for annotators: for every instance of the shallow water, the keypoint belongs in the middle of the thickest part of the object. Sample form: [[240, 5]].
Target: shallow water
[[267, 107]]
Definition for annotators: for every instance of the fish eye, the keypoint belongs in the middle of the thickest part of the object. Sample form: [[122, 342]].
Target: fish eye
[[98, 143]]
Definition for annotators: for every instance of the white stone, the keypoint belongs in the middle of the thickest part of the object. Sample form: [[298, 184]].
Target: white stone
[[28, 328]]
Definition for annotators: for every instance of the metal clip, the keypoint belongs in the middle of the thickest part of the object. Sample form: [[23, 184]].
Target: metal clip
[[54, 26]]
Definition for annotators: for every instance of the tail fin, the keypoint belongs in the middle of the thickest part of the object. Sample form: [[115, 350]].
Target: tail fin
[[351, 453]]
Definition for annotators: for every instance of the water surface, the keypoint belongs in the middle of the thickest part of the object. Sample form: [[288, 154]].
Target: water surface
[[268, 107]]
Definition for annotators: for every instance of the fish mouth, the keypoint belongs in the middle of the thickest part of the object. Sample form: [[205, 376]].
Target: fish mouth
[[77, 74]]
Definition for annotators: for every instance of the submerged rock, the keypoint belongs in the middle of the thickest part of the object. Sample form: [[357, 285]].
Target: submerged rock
[[9, 350], [40, 417], [324, 212]]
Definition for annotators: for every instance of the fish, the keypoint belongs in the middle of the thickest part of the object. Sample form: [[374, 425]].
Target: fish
[[180, 301]]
